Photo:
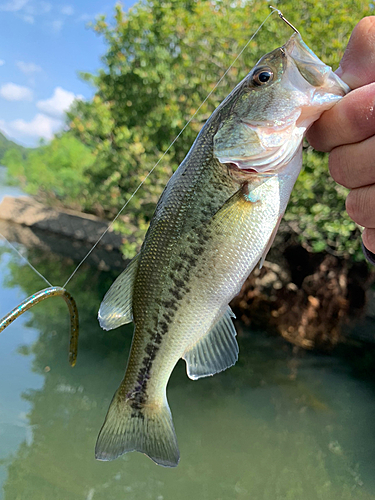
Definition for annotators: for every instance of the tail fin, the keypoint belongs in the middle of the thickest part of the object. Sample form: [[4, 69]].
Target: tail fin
[[148, 429]]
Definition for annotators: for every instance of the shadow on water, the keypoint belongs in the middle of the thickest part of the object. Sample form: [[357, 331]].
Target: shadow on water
[[278, 425]]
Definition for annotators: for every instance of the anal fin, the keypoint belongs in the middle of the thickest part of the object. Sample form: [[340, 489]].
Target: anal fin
[[216, 351]]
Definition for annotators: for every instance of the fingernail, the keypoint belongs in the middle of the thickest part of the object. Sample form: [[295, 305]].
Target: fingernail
[[346, 77], [339, 72]]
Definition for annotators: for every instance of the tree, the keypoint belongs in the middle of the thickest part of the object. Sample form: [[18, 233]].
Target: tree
[[55, 172], [161, 61], [6, 144]]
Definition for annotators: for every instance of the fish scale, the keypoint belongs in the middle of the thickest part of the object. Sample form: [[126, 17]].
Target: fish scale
[[216, 218], [196, 182]]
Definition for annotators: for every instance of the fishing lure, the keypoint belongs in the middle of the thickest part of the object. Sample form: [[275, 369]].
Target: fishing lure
[[52, 291]]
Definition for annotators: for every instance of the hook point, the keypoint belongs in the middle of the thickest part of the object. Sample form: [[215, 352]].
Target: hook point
[[281, 16]]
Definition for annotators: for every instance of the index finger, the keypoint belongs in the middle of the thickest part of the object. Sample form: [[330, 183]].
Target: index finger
[[353, 118], [357, 66]]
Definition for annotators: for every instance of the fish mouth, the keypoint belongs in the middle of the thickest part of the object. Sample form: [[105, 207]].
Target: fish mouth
[[265, 147], [339, 84], [315, 71]]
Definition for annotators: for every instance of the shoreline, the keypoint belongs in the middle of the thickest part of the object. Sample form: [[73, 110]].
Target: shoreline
[[329, 301], [64, 232]]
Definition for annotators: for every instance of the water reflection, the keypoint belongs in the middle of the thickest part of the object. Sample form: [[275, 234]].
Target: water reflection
[[276, 426]]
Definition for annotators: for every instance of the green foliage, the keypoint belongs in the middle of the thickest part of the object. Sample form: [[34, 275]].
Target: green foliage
[[162, 59], [7, 144], [55, 171]]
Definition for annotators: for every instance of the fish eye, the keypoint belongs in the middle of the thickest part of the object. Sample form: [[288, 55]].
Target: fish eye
[[262, 76]]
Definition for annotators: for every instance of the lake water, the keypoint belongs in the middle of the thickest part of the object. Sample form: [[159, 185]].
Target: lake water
[[279, 425], [7, 190]]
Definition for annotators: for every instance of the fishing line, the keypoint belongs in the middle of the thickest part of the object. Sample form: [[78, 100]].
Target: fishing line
[[169, 147], [25, 260], [153, 168], [36, 298]]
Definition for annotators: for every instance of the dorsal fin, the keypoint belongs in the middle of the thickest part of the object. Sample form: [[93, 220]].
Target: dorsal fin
[[116, 307], [216, 351]]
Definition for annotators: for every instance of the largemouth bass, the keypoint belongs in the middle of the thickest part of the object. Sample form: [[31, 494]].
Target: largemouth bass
[[215, 220]]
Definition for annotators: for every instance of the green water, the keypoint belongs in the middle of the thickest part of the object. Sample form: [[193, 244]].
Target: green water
[[277, 426]]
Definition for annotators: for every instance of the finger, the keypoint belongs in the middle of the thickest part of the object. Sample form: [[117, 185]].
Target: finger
[[353, 165], [357, 67], [351, 120], [360, 205], [368, 238]]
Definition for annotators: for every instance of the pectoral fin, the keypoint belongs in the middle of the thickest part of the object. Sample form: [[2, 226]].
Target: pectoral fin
[[216, 351], [116, 308], [234, 211]]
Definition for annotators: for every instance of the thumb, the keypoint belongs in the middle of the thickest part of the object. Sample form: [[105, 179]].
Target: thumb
[[357, 67]]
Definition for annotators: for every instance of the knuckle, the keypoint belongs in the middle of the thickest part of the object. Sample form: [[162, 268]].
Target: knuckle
[[360, 205], [351, 205], [317, 137], [354, 205], [363, 120], [339, 167], [358, 116]]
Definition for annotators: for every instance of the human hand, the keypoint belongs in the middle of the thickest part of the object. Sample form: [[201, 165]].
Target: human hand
[[347, 131]]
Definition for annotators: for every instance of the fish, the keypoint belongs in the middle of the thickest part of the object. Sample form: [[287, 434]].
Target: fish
[[215, 220]]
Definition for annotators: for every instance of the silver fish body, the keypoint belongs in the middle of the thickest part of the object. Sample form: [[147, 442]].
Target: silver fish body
[[215, 220]]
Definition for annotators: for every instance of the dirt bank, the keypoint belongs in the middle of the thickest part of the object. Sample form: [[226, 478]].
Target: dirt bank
[[312, 300]]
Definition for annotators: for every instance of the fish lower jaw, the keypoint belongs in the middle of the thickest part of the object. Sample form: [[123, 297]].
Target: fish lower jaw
[[321, 102]]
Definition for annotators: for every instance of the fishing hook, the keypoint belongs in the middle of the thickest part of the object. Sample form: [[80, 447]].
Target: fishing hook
[[281, 16]]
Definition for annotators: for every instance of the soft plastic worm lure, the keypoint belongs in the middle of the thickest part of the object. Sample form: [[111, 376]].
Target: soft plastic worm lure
[[52, 291]]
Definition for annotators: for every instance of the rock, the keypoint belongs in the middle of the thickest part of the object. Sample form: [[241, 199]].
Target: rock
[[76, 225]]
